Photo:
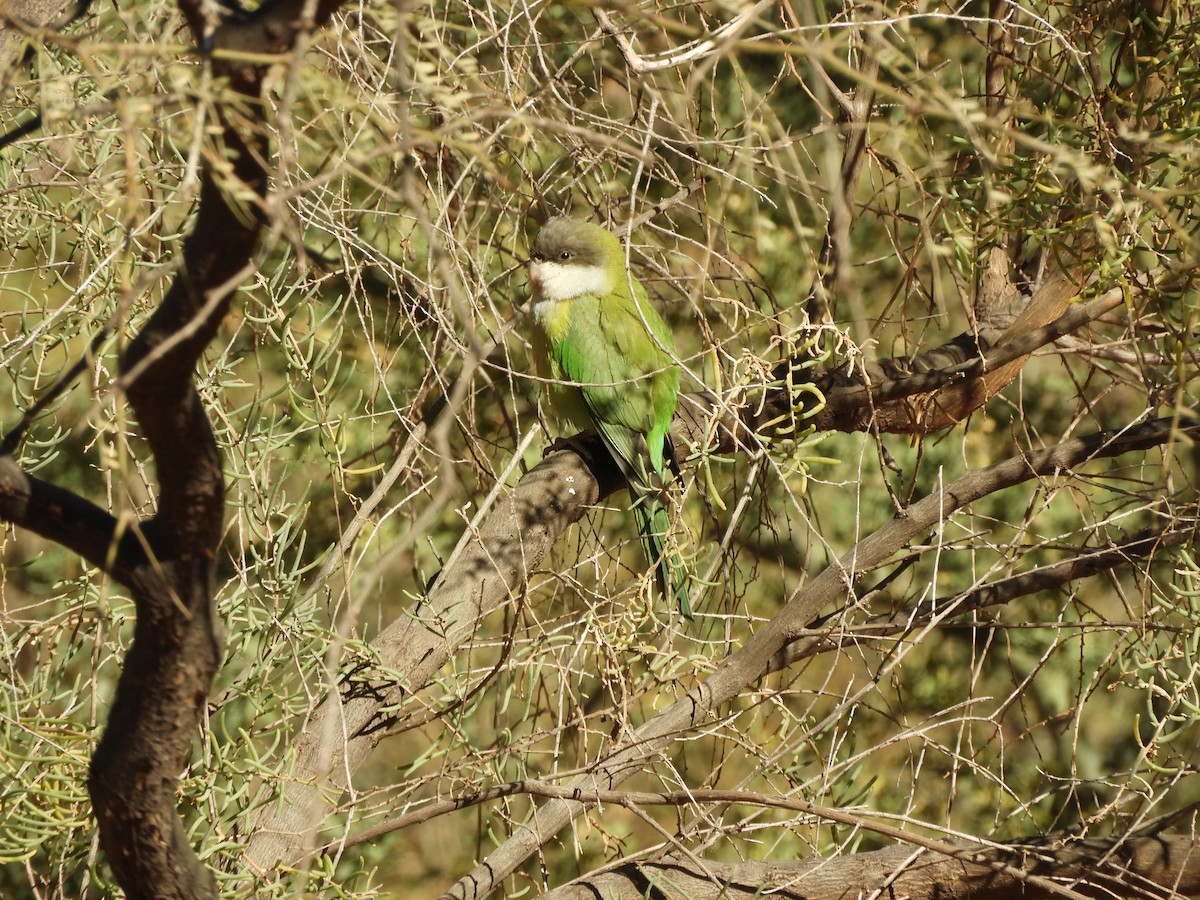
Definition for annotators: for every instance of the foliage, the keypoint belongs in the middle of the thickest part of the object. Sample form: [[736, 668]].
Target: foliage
[[414, 148]]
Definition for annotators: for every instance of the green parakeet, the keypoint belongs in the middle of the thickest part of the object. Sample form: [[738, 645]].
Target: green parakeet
[[611, 364]]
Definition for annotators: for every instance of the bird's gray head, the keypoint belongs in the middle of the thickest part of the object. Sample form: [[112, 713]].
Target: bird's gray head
[[569, 258]]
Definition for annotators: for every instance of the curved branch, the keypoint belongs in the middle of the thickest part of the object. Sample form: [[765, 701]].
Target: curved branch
[[177, 641], [169, 563]]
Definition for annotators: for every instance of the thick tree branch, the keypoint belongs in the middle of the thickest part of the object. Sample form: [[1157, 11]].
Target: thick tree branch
[[1156, 866], [493, 562], [19, 17], [67, 519], [818, 639], [945, 385], [921, 395]]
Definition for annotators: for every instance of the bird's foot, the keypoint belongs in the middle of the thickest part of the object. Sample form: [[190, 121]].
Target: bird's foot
[[582, 444]]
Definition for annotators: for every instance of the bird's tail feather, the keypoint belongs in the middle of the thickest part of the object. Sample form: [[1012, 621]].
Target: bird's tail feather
[[654, 524]]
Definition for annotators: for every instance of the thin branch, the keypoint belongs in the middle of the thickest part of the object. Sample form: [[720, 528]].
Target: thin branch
[[680, 56], [834, 261], [1083, 564]]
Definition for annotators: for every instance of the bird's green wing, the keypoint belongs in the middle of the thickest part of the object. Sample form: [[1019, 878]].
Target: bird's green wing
[[629, 384], [626, 376]]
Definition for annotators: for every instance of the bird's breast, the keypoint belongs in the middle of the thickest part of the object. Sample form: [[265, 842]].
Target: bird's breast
[[554, 318]]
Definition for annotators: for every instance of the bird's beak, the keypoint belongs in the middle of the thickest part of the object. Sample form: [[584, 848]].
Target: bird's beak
[[535, 276]]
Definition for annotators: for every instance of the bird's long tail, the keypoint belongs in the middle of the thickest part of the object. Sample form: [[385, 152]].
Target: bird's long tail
[[654, 525]]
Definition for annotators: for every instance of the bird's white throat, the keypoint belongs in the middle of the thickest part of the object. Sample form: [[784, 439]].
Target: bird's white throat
[[553, 281]]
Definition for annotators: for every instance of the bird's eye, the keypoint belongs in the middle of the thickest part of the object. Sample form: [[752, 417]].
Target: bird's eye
[[566, 254]]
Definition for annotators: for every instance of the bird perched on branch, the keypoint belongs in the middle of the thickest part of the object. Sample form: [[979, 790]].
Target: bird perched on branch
[[610, 364]]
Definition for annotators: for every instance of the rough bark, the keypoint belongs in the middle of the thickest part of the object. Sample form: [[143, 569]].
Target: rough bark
[[1154, 866], [943, 386], [167, 562], [490, 566], [177, 640]]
